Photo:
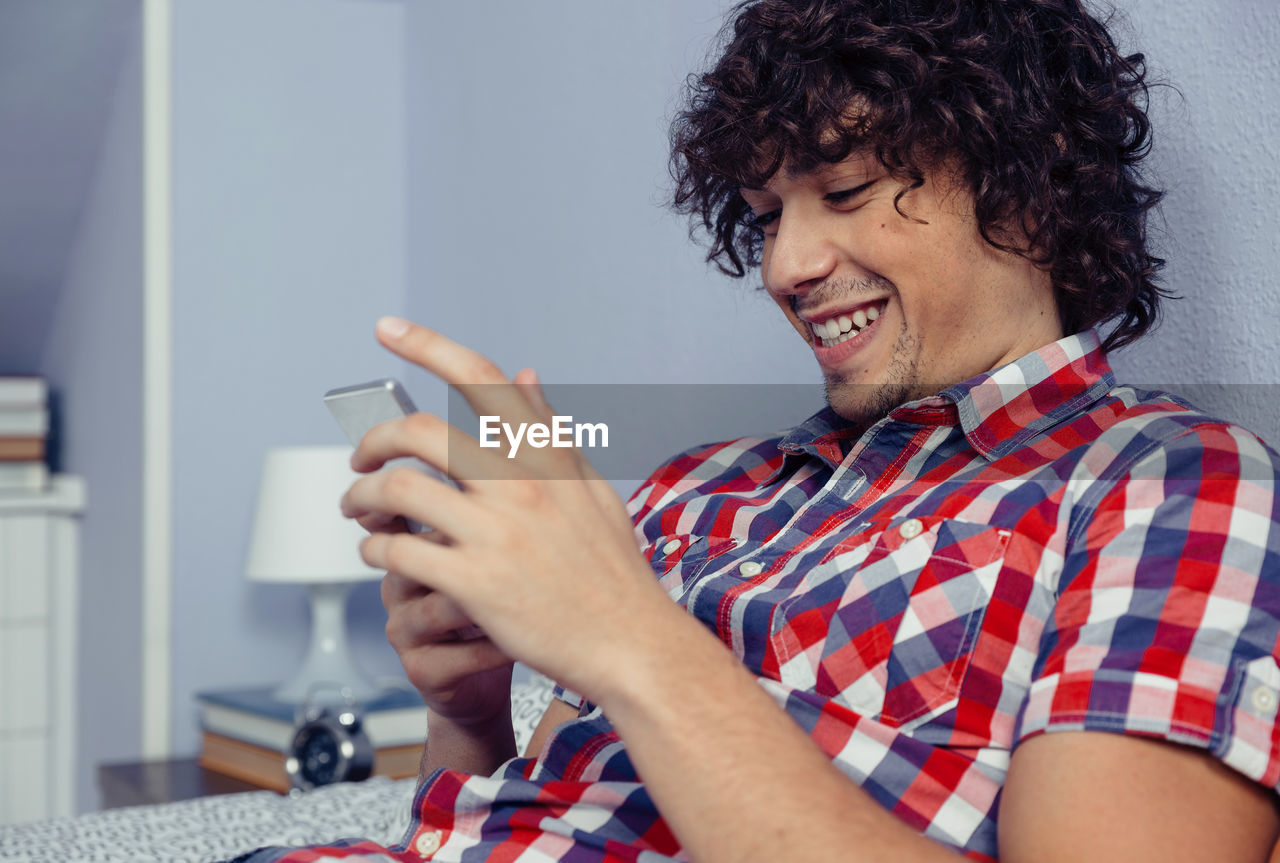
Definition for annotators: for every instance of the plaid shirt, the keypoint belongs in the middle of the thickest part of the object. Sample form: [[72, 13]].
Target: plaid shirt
[[1036, 549]]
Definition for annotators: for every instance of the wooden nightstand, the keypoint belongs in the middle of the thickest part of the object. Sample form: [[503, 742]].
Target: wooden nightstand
[[144, 782]]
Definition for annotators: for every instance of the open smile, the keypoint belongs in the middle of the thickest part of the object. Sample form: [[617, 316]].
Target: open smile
[[838, 334], [836, 328]]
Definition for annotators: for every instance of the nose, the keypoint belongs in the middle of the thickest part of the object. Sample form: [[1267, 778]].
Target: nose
[[799, 256]]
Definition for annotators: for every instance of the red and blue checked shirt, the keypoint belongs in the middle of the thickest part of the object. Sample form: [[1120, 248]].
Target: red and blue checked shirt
[[1036, 549]]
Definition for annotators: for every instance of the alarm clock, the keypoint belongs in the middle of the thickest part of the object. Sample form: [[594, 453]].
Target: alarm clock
[[329, 745]]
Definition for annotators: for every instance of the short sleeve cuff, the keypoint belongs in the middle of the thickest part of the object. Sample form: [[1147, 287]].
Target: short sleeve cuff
[[1237, 724]]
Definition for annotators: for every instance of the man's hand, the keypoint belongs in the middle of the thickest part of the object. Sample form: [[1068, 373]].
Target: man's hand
[[538, 550], [464, 680]]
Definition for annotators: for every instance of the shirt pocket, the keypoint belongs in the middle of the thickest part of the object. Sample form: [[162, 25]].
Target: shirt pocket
[[886, 622], [678, 559]]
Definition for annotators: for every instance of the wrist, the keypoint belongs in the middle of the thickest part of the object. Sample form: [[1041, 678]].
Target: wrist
[[471, 746], [668, 665], [473, 728]]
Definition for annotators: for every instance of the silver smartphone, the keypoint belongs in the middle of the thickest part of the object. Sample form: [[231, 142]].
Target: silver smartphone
[[360, 407]]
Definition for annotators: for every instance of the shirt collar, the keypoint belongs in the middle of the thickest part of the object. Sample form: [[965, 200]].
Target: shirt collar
[[999, 410]]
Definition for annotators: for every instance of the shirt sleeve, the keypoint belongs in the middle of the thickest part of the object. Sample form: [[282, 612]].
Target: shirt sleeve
[[1165, 623]]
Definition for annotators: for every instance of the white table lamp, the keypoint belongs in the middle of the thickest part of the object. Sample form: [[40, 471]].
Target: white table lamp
[[300, 537]]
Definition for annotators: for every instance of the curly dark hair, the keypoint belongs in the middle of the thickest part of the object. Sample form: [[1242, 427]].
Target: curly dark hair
[[1044, 117]]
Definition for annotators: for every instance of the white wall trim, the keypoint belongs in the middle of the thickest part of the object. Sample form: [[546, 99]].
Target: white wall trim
[[157, 390]]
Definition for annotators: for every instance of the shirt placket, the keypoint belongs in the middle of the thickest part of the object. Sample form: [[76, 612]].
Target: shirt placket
[[756, 582]]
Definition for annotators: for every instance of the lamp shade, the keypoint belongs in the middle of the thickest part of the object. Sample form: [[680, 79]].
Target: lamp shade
[[299, 534]]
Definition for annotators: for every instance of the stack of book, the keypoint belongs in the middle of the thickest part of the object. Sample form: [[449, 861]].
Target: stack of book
[[246, 733], [24, 433]]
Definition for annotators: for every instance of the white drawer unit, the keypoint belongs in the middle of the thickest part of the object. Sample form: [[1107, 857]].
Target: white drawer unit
[[39, 579]]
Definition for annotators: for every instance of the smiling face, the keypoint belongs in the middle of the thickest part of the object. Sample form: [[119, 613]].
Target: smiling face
[[894, 308]]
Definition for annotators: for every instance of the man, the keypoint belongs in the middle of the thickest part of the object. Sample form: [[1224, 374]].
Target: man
[[988, 602]]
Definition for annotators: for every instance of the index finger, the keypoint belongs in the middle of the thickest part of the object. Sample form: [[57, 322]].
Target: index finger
[[484, 386]]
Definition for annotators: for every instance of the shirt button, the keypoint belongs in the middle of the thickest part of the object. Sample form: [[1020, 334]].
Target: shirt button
[[1264, 700], [671, 546], [911, 528], [428, 843], [750, 569]]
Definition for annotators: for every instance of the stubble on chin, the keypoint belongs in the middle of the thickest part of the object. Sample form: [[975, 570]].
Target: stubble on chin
[[866, 403]]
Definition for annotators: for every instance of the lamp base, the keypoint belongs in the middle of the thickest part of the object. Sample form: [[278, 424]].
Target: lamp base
[[328, 673]]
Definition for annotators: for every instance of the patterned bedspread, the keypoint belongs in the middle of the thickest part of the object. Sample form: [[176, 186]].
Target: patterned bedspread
[[217, 828]]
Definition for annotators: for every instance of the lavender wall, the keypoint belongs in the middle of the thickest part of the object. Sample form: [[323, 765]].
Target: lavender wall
[[1218, 155], [289, 243], [538, 134]]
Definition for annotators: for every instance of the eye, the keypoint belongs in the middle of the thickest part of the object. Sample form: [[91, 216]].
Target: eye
[[844, 196]]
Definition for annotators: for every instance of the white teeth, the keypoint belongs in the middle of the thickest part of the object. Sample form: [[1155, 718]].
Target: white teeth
[[841, 329], [841, 339]]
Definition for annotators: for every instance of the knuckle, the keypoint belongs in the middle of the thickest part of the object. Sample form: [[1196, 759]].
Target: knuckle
[[424, 615], [421, 423], [409, 626], [527, 492], [372, 523], [398, 591], [396, 634], [400, 484]]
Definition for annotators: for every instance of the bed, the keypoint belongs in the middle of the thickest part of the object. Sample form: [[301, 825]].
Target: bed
[[218, 828]]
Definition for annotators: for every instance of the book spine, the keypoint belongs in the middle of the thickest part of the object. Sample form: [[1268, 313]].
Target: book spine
[[386, 729], [397, 727], [23, 476], [22, 448], [23, 423], [261, 731], [251, 763], [23, 392], [265, 768]]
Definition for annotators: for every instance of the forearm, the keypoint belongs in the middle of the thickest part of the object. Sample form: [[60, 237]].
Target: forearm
[[479, 748], [716, 752]]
